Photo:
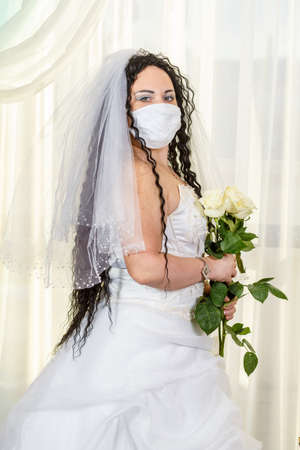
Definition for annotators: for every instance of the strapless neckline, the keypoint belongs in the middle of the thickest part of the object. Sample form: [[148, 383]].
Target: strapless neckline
[[178, 207]]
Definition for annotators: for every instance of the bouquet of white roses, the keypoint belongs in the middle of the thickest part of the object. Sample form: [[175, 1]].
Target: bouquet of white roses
[[226, 213]]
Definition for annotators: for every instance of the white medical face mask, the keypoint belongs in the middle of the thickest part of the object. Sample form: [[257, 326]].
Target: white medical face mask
[[157, 123]]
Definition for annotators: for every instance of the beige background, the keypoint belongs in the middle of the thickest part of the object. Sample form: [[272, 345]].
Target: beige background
[[242, 58]]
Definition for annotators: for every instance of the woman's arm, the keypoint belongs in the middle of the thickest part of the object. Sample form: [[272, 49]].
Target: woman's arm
[[149, 267]]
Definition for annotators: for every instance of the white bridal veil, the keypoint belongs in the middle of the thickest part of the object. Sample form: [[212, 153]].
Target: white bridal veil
[[93, 212]]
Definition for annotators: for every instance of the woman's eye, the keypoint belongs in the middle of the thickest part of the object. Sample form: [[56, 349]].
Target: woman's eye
[[143, 99], [147, 98]]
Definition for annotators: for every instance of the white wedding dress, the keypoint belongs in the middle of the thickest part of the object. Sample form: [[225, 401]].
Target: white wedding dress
[[151, 382]]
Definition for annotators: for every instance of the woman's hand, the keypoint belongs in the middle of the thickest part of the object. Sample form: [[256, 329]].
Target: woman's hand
[[229, 310], [223, 269]]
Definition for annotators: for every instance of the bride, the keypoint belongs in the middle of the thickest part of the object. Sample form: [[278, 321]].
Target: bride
[[150, 378]]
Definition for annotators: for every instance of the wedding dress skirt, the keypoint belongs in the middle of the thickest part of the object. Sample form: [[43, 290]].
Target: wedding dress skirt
[[151, 381]]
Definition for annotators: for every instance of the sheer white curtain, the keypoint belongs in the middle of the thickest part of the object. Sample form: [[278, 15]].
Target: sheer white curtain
[[243, 61]]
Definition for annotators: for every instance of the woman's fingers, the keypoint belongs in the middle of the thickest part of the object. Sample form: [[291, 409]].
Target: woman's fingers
[[229, 314], [227, 299], [229, 310]]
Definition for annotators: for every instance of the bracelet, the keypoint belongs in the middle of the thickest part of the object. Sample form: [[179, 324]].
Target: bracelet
[[205, 271]]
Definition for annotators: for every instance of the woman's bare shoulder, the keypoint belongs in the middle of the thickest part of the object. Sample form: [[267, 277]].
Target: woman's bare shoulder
[[145, 178], [150, 205]]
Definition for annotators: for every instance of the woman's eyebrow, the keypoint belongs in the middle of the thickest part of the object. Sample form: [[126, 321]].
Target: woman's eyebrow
[[152, 92]]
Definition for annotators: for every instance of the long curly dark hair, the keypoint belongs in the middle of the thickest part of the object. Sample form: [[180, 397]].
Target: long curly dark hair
[[84, 302]]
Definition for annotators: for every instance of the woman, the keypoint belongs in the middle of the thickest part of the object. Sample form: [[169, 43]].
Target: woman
[[150, 380]]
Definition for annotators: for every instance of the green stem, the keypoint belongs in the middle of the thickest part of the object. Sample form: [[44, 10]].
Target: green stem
[[217, 229], [222, 337], [240, 263], [219, 335]]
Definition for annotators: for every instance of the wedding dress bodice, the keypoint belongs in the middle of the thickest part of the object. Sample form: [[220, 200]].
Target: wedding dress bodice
[[186, 230]]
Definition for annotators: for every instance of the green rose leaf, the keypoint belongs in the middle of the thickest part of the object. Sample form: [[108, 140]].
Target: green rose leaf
[[218, 293], [237, 327], [232, 243], [211, 252], [264, 280], [236, 288], [275, 291], [229, 222], [250, 362], [238, 225], [248, 246], [222, 229], [247, 236], [245, 330], [233, 335], [213, 248], [208, 316], [258, 291]]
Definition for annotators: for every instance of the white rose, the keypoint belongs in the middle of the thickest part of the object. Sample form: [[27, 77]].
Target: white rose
[[199, 206], [237, 204], [213, 202]]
